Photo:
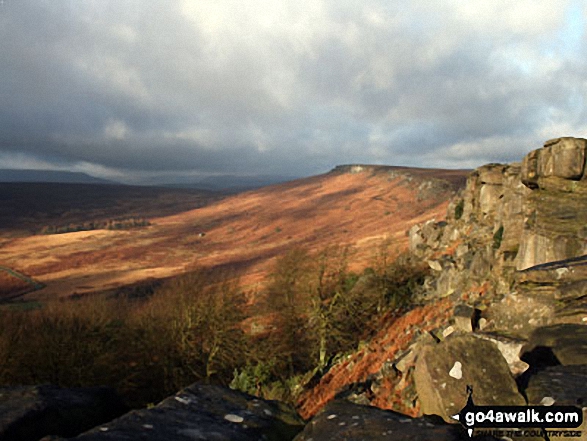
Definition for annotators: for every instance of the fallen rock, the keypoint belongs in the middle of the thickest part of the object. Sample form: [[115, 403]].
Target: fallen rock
[[31, 412], [443, 372], [343, 420], [204, 412]]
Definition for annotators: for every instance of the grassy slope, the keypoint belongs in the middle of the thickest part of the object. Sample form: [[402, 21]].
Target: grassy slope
[[243, 232]]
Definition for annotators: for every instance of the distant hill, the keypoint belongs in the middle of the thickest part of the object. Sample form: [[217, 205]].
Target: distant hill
[[11, 175], [233, 183], [27, 207]]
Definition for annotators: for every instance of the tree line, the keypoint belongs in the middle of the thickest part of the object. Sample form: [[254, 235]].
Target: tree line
[[110, 224]]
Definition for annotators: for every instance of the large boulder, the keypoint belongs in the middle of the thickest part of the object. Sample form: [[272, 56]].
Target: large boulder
[[559, 158], [563, 158], [444, 370], [204, 412], [31, 412], [342, 420]]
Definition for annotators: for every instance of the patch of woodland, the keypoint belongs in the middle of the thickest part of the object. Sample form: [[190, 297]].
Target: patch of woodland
[[110, 224]]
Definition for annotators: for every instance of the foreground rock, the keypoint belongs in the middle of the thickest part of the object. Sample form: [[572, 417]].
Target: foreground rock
[[559, 385], [444, 370], [31, 412], [342, 420], [204, 412]]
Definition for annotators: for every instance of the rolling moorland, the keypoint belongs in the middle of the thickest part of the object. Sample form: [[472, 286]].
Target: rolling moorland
[[377, 296], [193, 230]]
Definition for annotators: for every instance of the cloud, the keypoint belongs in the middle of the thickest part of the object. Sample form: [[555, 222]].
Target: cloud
[[146, 87]]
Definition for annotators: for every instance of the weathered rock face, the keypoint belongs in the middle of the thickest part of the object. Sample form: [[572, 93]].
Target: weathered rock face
[[544, 295], [443, 372], [555, 209], [204, 412], [342, 420], [31, 412], [511, 218]]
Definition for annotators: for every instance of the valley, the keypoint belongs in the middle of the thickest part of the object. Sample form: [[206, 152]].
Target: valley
[[360, 207]]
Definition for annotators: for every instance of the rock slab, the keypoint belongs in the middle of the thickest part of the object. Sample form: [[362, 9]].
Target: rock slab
[[343, 420], [204, 412], [31, 412]]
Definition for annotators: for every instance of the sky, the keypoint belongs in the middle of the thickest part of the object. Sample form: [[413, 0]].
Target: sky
[[167, 90]]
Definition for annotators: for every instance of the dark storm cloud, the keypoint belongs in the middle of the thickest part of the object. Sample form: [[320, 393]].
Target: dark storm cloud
[[285, 87]]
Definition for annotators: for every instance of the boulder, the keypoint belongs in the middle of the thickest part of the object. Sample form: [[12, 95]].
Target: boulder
[[562, 158], [519, 313], [443, 372], [31, 412], [204, 412], [342, 420]]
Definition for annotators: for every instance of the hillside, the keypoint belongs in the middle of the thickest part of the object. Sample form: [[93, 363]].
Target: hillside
[[359, 206], [27, 207]]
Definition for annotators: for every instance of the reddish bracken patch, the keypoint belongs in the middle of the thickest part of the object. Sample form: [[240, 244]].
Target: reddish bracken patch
[[11, 286], [394, 337]]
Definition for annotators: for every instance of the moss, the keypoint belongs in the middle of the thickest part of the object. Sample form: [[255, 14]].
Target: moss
[[459, 209], [497, 238]]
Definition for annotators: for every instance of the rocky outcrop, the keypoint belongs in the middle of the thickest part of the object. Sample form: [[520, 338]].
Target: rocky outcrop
[[513, 248], [508, 219], [561, 158], [31, 412], [204, 412]]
